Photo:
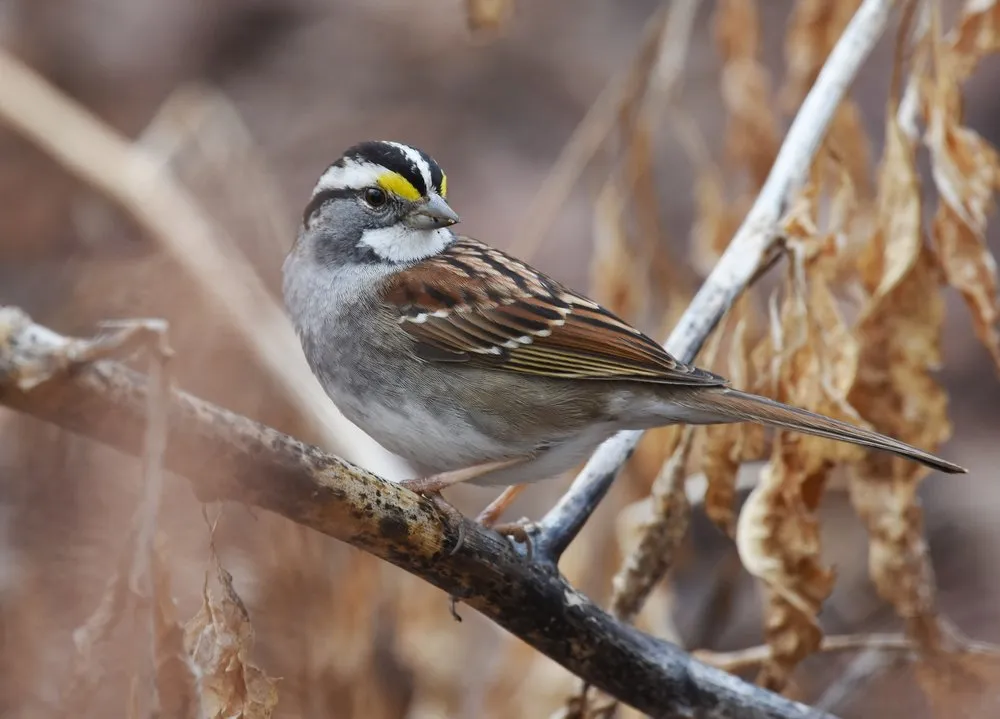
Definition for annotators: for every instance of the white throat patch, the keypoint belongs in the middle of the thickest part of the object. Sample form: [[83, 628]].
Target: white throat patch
[[403, 244]]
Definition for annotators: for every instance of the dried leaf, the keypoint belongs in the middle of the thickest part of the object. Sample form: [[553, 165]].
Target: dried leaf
[[976, 36], [488, 15], [813, 29], [778, 542], [752, 128], [813, 360], [752, 137], [896, 247], [970, 267], [219, 639], [737, 29], [727, 446], [900, 332], [617, 280], [848, 142], [966, 171]]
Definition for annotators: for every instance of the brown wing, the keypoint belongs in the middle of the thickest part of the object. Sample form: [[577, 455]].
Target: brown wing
[[475, 304]]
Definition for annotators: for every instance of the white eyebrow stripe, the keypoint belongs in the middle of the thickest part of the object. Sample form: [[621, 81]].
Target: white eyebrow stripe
[[352, 175], [417, 159]]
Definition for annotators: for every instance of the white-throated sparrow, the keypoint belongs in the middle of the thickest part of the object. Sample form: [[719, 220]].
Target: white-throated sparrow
[[472, 364]]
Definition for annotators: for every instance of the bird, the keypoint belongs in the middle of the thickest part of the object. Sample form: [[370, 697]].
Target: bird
[[473, 365]]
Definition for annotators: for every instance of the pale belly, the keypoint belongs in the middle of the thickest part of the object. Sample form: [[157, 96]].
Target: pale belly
[[435, 448], [444, 432]]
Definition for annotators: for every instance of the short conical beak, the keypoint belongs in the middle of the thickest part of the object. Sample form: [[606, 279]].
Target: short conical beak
[[432, 214]]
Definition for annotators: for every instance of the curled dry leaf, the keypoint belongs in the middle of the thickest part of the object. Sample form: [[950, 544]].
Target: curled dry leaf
[[219, 639], [966, 171], [976, 36], [899, 331], [970, 267], [814, 359], [778, 541]]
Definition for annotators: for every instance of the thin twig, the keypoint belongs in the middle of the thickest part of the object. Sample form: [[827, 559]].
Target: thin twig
[[155, 445], [863, 669], [751, 657], [142, 579], [134, 178], [743, 659], [227, 456], [735, 268]]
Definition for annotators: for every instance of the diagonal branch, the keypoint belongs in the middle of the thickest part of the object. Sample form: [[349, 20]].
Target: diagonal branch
[[227, 456], [736, 268]]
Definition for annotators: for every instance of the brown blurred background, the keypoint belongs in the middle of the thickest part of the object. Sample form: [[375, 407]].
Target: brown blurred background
[[348, 636]]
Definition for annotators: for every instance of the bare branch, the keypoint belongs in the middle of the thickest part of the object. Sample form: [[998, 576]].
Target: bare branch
[[736, 267], [227, 456]]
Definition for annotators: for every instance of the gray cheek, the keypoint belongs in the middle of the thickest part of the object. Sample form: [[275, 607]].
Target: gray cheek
[[337, 230]]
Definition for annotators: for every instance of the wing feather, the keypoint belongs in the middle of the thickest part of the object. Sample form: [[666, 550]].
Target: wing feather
[[475, 304]]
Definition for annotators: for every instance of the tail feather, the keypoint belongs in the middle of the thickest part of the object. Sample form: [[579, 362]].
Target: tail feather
[[738, 405]]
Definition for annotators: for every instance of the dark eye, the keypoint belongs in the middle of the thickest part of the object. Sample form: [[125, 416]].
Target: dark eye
[[374, 197]]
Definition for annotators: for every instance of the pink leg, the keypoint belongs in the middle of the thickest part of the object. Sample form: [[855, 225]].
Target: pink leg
[[489, 516], [436, 482]]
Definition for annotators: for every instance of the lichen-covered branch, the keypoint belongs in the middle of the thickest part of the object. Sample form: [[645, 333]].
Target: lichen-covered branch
[[227, 456]]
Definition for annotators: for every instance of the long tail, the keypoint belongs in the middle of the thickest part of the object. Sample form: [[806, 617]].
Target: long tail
[[742, 406]]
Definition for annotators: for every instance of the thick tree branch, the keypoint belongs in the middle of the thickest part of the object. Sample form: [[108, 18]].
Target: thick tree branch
[[737, 267], [227, 456]]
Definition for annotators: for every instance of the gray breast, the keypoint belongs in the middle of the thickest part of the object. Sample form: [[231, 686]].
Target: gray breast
[[441, 416]]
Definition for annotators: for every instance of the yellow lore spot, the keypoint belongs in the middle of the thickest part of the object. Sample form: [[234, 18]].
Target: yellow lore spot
[[396, 184], [444, 185]]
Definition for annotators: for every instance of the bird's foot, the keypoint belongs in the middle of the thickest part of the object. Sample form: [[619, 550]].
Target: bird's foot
[[521, 532]]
